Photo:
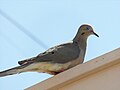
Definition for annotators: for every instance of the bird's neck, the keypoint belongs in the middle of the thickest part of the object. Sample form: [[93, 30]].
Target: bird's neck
[[82, 41]]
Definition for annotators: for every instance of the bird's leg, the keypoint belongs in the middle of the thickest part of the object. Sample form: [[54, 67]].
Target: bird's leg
[[62, 70], [55, 72]]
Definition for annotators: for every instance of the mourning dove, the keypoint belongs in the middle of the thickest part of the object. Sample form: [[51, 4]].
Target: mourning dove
[[57, 59]]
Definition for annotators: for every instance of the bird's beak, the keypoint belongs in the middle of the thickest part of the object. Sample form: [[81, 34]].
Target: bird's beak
[[94, 33]]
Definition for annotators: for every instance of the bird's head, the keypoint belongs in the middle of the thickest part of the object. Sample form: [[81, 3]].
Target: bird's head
[[83, 32], [86, 30]]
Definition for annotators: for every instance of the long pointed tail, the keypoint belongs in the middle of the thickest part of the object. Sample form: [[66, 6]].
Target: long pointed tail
[[12, 71]]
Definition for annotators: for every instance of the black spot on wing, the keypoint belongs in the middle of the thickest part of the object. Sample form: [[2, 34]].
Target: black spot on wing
[[52, 52]]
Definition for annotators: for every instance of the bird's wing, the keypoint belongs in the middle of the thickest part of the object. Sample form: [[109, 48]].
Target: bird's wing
[[59, 54]]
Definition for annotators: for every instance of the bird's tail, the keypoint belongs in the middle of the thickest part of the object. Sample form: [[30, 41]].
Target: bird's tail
[[12, 71]]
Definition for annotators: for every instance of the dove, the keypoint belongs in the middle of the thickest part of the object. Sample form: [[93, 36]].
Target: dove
[[58, 58]]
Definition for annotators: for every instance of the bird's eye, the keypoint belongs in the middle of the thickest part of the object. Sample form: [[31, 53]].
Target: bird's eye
[[87, 28]]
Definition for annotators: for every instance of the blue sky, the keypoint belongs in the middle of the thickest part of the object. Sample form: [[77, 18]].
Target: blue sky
[[53, 22]]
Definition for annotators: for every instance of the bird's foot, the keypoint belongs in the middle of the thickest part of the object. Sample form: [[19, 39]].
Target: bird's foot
[[62, 70], [55, 72]]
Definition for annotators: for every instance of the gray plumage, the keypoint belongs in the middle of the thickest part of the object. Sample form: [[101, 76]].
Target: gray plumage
[[59, 54], [56, 59]]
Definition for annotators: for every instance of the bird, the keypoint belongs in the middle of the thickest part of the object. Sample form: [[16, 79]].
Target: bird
[[58, 58]]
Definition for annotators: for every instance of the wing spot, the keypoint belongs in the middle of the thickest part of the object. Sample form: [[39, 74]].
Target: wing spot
[[44, 53], [52, 52]]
